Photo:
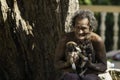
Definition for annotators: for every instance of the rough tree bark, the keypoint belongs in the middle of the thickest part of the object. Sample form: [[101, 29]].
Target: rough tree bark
[[29, 31]]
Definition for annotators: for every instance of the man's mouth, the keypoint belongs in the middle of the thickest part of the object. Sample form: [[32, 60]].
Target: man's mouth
[[81, 35]]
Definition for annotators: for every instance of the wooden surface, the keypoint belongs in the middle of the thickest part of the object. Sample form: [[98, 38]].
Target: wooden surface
[[101, 8]]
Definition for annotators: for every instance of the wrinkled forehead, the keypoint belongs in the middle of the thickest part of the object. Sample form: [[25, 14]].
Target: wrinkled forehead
[[80, 17], [83, 21]]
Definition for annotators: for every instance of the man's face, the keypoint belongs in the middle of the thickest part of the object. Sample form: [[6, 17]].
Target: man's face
[[82, 28]]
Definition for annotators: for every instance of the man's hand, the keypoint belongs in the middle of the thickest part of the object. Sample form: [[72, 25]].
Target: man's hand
[[89, 62], [72, 57]]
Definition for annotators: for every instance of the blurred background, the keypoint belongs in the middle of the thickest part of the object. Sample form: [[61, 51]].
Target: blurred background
[[107, 13]]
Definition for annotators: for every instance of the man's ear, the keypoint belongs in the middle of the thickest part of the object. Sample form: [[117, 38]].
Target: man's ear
[[73, 29], [91, 29]]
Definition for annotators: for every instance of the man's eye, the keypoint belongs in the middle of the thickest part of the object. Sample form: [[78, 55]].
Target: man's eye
[[77, 27], [83, 28]]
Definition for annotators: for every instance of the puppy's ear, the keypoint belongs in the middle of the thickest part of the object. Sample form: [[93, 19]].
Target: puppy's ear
[[71, 46], [71, 43]]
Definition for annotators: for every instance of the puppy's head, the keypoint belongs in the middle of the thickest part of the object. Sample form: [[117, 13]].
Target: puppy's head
[[71, 46]]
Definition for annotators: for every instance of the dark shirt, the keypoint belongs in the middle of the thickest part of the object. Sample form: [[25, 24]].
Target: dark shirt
[[99, 55]]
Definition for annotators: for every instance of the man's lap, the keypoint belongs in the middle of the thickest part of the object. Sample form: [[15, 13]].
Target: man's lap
[[74, 76]]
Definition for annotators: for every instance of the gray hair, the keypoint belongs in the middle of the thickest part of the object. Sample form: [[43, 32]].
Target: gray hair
[[85, 13]]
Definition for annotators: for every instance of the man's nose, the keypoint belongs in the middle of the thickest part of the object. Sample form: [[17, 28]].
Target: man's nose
[[80, 31]]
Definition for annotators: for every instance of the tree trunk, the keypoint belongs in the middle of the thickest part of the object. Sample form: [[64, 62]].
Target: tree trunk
[[29, 31]]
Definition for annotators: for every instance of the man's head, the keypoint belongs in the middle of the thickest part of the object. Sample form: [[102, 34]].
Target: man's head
[[83, 22]]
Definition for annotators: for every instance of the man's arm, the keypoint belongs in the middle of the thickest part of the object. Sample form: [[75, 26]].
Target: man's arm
[[60, 62], [100, 54]]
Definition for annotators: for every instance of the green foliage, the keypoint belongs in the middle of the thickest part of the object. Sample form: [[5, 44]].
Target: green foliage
[[114, 2], [87, 2], [100, 2], [109, 31]]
